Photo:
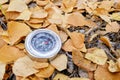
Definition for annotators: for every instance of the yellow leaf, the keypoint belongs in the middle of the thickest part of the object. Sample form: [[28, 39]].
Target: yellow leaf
[[113, 67], [24, 67], [97, 56], [10, 53], [60, 62], [39, 65], [25, 15], [115, 16], [17, 5], [2, 70], [60, 76], [63, 36], [45, 72], [16, 31]]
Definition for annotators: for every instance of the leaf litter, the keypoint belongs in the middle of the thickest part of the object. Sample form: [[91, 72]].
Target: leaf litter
[[89, 30]]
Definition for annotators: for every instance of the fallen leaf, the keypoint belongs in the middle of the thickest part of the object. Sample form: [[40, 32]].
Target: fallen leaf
[[63, 36], [3, 1], [34, 25], [15, 29], [41, 13], [68, 46], [76, 19], [25, 15], [36, 20], [114, 27], [118, 62], [39, 65], [20, 46], [42, 3], [33, 77], [77, 39], [45, 72], [106, 4], [10, 53], [60, 62], [98, 56], [54, 28], [102, 73], [115, 16], [60, 76], [11, 15], [106, 41], [106, 18], [2, 42], [81, 62], [75, 78], [68, 5], [113, 67], [17, 5], [24, 67], [2, 70]]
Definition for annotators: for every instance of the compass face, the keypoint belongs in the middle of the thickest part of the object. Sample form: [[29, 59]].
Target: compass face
[[43, 42]]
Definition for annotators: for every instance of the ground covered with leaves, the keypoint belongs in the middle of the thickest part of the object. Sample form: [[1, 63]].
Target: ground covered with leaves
[[89, 30]]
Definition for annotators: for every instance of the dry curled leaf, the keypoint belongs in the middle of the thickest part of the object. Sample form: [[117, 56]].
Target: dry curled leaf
[[60, 62], [10, 53], [77, 39], [63, 36], [68, 46], [15, 29], [76, 19], [114, 27], [81, 62], [20, 46], [39, 65], [97, 56], [45, 72], [2, 70], [24, 67], [41, 13], [106, 41], [102, 73], [113, 67], [60, 76], [75, 78], [3, 1], [17, 5], [68, 5], [25, 15]]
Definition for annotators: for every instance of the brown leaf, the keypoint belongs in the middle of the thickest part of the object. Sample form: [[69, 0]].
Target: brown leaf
[[77, 39], [20, 46], [106, 41], [2, 70], [36, 20], [42, 3], [81, 62], [15, 29], [45, 72], [2, 42], [102, 73], [76, 19], [10, 53], [60, 62], [118, 62], [98, 56], [114, 27], [24, 67], [17, 5], [54, 28]]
